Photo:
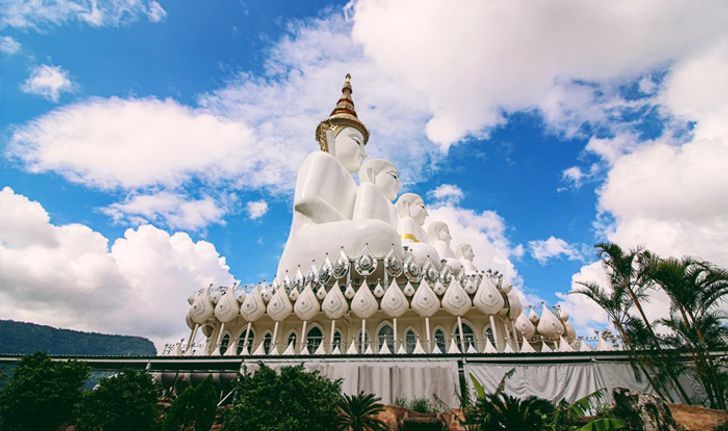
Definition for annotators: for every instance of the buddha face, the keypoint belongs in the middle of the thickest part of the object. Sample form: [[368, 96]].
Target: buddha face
[[468, 252], [418, 211], [387, 180], [349, 149], [444, 234]]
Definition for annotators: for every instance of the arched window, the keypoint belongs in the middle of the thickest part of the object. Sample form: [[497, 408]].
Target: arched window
[[314, 339], [489, 335], [385, 335], [291, 339], [337, 340], [359, 346], [410, 340], [440, 340], [267, 339], [469, 336], [241, 340], [224, 343]]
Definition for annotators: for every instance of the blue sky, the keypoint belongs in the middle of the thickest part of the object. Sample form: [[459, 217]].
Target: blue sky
[[172, 131]]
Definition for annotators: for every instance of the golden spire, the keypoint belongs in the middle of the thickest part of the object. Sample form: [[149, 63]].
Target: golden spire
[[343, 115]]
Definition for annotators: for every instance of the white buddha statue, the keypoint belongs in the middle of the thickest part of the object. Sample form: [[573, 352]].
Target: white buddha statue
[[323, 204], [465, 253], [440, 238], [379, 187], [412, 215]]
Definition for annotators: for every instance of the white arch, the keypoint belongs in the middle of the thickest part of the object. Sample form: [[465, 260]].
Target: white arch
[[407, 329], [309, 329], [444, 338], [241, 337], [288, 336], [379, 328], [455, 330]]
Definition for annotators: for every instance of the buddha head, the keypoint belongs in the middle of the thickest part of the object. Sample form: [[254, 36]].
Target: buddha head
[[465, 251], [342, 134], [412, 205], [383, 175], [438, 230]]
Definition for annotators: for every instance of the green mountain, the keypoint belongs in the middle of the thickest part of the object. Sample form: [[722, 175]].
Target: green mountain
[[22, 338]]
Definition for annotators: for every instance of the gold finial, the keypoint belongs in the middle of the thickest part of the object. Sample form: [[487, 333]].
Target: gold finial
[[343, 115]]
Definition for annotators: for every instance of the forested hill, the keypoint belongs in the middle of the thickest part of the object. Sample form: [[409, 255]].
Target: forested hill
[[21, 337]]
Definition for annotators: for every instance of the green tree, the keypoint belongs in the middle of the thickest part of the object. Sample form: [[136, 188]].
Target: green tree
[[627, 274], [359, 413], [616, 302], [695, 288], [125, 401], [195, 408], [41, 393], [292, 400]]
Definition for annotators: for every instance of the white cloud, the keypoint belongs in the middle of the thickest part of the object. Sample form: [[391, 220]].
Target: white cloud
[[48, 82], [96, 13], [668, 195], [136, 143], [9, 46], [300, 87], [67, 275], [449, 193], [155, 12], [256, 209], [544, 250], [477, 60], [173, 210]]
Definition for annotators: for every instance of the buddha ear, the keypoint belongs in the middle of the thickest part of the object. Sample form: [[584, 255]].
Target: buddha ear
[[330, 138], [370, 174]]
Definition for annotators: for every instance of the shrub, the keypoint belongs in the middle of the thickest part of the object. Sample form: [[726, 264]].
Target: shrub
[[195, 408], [422, 405], [125, 401], [294, 400], [41, 394], [359, 413]]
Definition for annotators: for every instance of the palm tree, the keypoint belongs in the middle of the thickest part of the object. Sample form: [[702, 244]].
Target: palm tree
[[358, 413], [695, 289], [616, 303], [498, 411]]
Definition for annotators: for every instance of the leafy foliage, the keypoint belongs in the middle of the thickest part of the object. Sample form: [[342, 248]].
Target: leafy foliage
[[195, 408], [125, 401], [420, 405], [503, 412], [358, 413], [28, 338], [499, 411], [294, 400], [41, 394]]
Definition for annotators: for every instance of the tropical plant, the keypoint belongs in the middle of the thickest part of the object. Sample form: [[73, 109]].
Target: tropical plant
[[194, 409], [628, 283], [359, 413], [498, 411], [292, 400], [41, 393], [573, 416], [695, 289], [124, 401]]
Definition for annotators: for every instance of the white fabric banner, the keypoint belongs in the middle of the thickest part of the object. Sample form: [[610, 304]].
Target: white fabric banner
[[389, 380]]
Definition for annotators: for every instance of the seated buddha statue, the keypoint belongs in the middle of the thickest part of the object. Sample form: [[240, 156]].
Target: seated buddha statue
[[465, 253], [412, 214], [379, 186], [323, 203], [440, 238]]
